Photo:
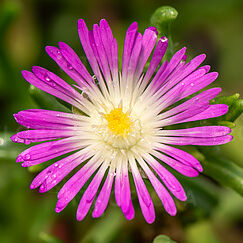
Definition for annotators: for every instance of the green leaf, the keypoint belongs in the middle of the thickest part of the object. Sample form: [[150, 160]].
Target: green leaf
[[163, 239], [9, 149], [235, 110], [47, 238], [228, 100], [235, 107], [45, 101], [106, 228], [200, 192], [224, 171], [36, 168], [77, 111]]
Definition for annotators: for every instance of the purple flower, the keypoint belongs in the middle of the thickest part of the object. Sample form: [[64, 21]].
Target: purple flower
[[120, 128]]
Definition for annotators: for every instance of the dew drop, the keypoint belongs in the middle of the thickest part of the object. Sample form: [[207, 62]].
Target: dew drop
[[113, 174], [69, 66], [85, 95], [46, 77], [27, 141], [163, 39], [43, 187], [27, 157], [56, 164], [59, 56], [48, 172], [53, 84], [192, 84]]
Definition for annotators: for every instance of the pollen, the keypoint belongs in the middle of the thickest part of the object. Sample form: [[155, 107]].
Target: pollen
[[119, 123]]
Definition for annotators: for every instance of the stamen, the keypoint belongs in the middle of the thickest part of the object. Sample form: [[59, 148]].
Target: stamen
[[119, 123]]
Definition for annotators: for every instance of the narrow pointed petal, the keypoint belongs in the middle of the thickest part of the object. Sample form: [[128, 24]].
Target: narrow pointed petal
[[54, 173], [89, 195], [103, 198], [76, 182], [144, 198], [180, 155]]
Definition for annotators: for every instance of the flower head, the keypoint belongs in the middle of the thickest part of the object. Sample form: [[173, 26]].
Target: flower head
[[121, 126]]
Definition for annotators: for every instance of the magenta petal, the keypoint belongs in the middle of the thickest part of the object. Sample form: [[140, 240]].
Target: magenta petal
[[202, 141], [49, 86], [180, 155], [159, 52], [168, 179], [45, 119], [210, 112], [125, 192], [148, 43], [144, 198], [128, 45], [177, 165], [203, 132], [163, 194], [88, 196], [54, 173], [31, 136], [84, 38], [199, 99], [130, 213], [103, 198], [161, 77], [43, 152], [75, 183]]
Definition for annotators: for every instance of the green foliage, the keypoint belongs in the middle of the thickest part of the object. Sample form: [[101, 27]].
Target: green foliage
[[226, 172], [8, 149], [105, 230], [45, 101], [162, 19], [163, 239], [235, 107], [29, 217], [47, 238]]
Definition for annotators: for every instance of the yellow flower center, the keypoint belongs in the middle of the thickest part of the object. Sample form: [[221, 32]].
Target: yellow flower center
[[118, 122]]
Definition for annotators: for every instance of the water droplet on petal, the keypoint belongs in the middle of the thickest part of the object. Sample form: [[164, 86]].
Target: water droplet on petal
[[27, 157], [27, 141], [53, 84], [69, 66], [163, 39], [46, 77], [59, 55]]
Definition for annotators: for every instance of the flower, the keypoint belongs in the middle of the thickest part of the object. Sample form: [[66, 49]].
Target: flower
[[120, 126]]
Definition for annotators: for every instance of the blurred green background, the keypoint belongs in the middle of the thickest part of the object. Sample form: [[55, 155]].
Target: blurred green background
[[26, 27]]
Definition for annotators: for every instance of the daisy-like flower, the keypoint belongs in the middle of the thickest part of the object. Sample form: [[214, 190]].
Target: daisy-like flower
[[120, 127]]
